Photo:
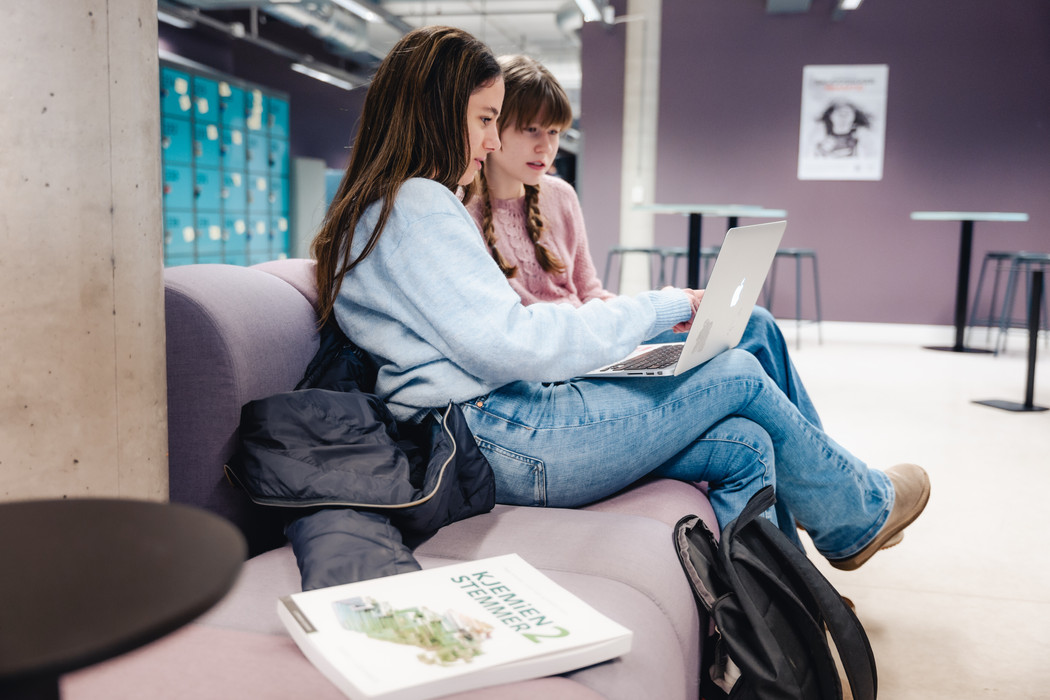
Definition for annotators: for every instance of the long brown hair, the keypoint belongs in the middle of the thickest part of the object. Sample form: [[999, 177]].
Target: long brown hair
[[532, 94], [413, 124]]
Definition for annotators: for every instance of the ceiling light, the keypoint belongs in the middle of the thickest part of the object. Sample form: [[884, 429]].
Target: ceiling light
[[359, 9], [849, 4], [590, 10], [327, 75], [175, 20]]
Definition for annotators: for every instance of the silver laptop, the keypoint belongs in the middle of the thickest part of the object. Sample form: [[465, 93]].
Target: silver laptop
[[736, 279]]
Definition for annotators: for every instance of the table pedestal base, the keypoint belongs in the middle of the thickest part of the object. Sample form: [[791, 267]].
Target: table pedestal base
[[1012, 406], [955, 348]]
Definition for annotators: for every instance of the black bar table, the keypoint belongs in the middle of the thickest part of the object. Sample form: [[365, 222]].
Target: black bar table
[[962, 284], [696, 212], [86, 579]]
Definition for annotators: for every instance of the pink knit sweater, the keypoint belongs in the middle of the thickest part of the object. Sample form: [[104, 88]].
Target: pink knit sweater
[[564, 235]]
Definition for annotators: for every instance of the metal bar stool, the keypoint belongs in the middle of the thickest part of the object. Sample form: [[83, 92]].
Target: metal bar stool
[[1022, 265], [655, 253], [1003, 260], [707, 256], [799, 254]]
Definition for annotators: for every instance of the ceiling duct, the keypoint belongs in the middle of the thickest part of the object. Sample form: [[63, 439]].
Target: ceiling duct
[[344, 33]]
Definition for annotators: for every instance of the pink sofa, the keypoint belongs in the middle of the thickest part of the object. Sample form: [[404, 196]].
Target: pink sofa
[[235, 334]]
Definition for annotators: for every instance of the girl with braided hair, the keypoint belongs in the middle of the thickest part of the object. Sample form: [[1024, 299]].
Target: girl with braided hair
[[531, 221]]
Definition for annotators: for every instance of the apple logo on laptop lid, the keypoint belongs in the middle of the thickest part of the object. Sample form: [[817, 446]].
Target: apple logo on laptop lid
[[736, 294]]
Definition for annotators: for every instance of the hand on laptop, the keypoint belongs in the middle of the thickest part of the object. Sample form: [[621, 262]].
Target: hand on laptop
[[695, 295]]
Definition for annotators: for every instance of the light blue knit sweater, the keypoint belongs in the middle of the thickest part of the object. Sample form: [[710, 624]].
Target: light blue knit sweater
[[434, 310]]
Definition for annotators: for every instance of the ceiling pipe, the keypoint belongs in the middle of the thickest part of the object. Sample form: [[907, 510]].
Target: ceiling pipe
[[236, 30], [344, 33]]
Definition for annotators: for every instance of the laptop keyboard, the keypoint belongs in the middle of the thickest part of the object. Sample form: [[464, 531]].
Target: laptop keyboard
[[656, 358]]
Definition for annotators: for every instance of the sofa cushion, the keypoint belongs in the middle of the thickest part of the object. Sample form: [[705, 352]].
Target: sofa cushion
[[623, 565], [215, 663]]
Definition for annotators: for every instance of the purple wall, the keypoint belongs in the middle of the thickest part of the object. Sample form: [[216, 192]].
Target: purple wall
[[967, 129]]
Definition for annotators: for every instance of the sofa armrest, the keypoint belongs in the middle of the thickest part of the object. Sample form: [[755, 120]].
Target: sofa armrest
[[234, 334]]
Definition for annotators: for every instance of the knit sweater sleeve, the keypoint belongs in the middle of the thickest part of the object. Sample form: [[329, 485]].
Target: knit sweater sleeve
[[434, 309], [559, 202]]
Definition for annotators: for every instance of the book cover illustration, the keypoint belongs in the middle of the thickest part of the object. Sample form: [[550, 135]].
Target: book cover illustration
[[445, 639], [452, 628]]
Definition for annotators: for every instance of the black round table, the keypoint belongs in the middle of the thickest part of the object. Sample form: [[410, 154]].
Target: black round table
[[87, 579]]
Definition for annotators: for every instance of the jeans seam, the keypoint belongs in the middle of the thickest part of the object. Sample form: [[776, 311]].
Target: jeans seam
[[708, 388]]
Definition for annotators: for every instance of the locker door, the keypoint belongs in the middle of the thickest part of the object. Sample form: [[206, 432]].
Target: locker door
[[234, 195], [258, 153], [258, 238], [278, 158], [235, 237], [234, 150], [206, 145], [231, 106], [277, 117], [209, 237], [206, 99], [175, 99], [179, 237], [207, 189], [176, 141], [178, 188]]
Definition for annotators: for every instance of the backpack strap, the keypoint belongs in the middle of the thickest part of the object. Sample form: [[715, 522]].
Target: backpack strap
[[847, 632]]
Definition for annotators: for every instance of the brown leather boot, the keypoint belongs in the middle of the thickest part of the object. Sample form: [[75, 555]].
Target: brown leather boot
[[911, 486]]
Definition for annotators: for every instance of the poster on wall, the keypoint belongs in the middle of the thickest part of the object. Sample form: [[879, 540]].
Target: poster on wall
[[843, 125]]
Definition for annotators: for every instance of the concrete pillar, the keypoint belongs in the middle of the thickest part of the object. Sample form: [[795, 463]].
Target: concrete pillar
[[640, 111], [83, 405]]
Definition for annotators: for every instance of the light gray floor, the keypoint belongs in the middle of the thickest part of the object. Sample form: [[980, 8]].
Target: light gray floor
[[961, 608]]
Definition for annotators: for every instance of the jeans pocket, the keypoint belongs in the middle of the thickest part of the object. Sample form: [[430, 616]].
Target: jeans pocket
[[520, 479]]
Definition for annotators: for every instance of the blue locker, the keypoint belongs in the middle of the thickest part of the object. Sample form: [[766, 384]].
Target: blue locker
[[207, 189], [232, 106], [234, 195], [175, 98], [279, 236], [235, 237], [176, 141], [206, 100], [258, 152], [206, 145], [278, 196], [278, 158], [258, 191], [176, 260], [234, 151], [179, 235], [178, 188], [277, 116], [258, 238], [209, 237], [255, 110]]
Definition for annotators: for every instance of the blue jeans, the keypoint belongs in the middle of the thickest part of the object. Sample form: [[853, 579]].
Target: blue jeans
[[740, 444], [570, 443]]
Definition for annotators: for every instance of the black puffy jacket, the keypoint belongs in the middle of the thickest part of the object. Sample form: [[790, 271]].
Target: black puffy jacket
[[359, 488]]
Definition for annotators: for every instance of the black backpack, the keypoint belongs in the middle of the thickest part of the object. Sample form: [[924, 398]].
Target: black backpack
[[770, 606]]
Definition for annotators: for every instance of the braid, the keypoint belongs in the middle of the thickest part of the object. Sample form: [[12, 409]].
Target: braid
[[488, 231], [534, 224]]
